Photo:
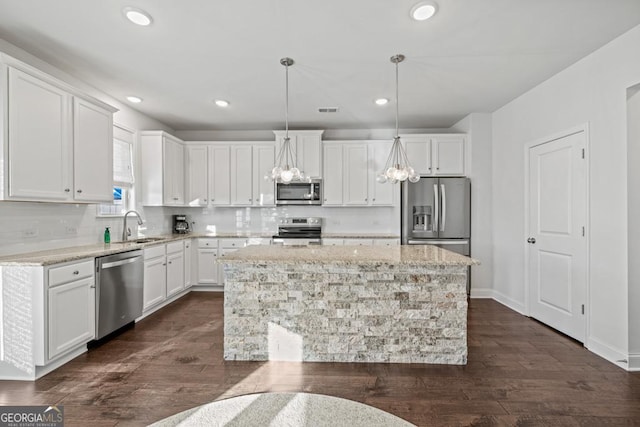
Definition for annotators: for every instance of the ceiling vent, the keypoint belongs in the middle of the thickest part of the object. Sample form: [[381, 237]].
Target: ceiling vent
[[328, 109]]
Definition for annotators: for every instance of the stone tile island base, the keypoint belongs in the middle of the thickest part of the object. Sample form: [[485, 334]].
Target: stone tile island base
[[337, 311]]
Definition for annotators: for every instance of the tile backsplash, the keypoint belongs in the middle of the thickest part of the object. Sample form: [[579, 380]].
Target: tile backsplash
[[29, 227]]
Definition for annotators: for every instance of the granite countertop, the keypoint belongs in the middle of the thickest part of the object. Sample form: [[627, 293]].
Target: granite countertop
[[400, 255], [74, 253]]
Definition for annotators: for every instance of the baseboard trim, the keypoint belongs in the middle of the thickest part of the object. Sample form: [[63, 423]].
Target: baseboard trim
[[604, 350], [509, 302], [634, 362], [482, 293], [212, 288]]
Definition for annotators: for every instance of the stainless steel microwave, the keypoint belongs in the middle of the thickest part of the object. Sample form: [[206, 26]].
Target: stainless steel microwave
[[299, 193]]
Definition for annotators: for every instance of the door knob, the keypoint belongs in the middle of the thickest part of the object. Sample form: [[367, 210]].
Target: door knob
[[531, 240]]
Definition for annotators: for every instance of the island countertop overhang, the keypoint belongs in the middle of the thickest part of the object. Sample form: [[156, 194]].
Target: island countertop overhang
[[397, 255]]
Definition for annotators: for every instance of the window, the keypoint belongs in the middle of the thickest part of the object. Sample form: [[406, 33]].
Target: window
[[123, 189]]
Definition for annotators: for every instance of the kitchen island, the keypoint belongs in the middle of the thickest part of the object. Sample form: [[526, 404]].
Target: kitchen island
[[399, 304]]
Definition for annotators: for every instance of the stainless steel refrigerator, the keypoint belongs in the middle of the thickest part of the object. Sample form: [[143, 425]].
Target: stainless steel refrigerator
[[437, 211]]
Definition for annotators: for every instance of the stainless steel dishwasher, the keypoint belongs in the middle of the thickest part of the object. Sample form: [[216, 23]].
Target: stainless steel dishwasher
[[119, 282]]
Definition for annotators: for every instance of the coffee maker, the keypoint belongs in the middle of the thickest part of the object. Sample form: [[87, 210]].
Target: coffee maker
[[180, 224]]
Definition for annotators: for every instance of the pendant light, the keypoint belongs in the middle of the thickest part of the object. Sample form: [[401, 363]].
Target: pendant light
[[397, 168], [285, 169]]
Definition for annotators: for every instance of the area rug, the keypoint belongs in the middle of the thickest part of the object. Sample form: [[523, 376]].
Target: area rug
[[284, 409]]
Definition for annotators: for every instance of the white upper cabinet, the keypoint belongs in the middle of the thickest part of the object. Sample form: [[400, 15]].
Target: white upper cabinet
[[219, 175], [229, 174], [350, 171], [92, 152], [355, 175], [380, 194], [263, 161], [162, 169], [196, 193], [333, 174], [436, 155], [307, 149], [59, 142], [241, 175]]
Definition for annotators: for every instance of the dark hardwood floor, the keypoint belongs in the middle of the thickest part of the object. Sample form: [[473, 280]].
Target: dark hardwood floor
[[519, 373]]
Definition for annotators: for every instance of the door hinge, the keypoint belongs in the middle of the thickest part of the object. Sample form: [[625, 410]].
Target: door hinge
[[582, 308], [583, 153]]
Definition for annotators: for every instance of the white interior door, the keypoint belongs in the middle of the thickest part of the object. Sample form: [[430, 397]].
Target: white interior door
[[557, 255]]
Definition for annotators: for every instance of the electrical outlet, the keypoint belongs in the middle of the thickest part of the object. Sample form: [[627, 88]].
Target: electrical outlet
[[71, 230], [30, 232]]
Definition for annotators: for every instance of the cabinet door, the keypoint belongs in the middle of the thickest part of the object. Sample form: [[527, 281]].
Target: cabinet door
[[219, 175], [309, 154], [178, 174], [379, 194], [263, 161], [169, 169], [155, 282], [419, 154], [187, 263], [39, 130], [241, 175], [197, 167], [175, 273], [356, 175], [448, 155], [92, 152], [333, 174], [72, 315], [207, 266]]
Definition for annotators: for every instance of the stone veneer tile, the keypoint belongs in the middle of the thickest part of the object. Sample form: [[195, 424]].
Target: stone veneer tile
[[374, 312]]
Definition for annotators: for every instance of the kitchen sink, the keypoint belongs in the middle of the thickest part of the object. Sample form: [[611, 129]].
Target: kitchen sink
[[145, 240]]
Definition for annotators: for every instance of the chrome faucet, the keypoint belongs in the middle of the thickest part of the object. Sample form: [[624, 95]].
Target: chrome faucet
[[126, 232]]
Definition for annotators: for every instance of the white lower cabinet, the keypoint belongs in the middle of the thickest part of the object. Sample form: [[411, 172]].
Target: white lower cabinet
[[164, 273], [187, 263], [155, 277], [386, 242], [207, 262], [175, 268], [71, 307]]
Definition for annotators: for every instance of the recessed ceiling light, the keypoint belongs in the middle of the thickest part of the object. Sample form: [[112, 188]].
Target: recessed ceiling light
[[423, 11], [134, 99], [221, 103], [381, 101], [137, 16]]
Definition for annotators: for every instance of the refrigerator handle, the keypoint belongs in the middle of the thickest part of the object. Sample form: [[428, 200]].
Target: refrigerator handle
[[444, 207], [436, 202]]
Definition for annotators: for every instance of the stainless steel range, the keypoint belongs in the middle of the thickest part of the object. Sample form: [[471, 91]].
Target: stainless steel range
[[299, 231]]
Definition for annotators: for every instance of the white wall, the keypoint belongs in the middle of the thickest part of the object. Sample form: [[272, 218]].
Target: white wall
[[478, 128], [633, 196], [591, 91]]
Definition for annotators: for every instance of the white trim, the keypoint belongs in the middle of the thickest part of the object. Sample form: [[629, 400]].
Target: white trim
[[482, 293], [613, 355], [509, 302], [584, 128], [634, 362]]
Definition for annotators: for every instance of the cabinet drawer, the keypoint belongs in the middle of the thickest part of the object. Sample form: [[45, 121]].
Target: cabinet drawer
[[71, 272], [233, 243], [154, 252], [175, 247], [208, 243]]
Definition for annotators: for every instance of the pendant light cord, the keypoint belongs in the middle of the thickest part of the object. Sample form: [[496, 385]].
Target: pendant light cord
[[397, 108], [286, 102]]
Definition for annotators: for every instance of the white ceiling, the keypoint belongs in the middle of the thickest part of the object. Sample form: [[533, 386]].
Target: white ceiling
[[473, 56]]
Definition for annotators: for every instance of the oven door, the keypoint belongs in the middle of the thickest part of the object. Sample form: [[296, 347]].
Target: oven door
[[299, 193]]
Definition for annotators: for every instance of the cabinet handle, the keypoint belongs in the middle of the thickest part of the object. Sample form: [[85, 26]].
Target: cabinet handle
[[66, 190], [438, 168], [366, 199], [92, 286], [79, 191], [169, 262], [325, 200], [205, 200], [76, 272], [373, 200], [175, 198], [164, 263]]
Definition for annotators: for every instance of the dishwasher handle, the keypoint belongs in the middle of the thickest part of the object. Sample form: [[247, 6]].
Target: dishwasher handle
[[119, 263]]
